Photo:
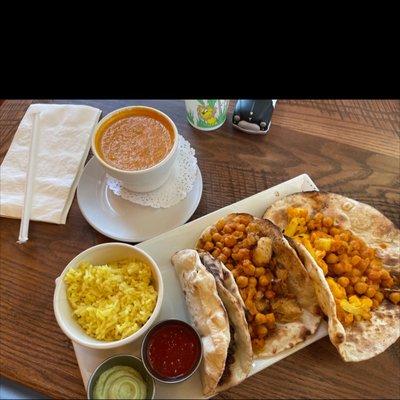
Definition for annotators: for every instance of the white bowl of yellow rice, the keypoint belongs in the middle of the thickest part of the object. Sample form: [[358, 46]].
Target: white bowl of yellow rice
[[108, 295]]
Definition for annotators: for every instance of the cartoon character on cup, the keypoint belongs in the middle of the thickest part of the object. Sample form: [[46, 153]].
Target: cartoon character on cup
[[207, 113]]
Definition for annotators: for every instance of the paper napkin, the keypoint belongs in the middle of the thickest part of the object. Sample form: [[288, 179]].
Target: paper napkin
[[64, 142]]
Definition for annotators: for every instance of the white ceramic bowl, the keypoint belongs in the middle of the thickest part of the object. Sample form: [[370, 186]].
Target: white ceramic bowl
[[97, 255], [145, 180]]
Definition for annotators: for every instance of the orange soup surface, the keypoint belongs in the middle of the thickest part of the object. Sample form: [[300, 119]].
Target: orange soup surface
[[135, 143]]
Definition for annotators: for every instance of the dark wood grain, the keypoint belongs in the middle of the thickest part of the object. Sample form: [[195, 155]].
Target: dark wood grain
[[349, 147]]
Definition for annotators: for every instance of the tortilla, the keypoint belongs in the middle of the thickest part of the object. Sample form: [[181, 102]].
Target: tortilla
[[286, 334], [208, 314], [365, 339], [240, 353]]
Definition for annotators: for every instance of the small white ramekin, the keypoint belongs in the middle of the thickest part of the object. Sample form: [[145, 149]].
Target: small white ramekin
[[98, 255], [145, 180]]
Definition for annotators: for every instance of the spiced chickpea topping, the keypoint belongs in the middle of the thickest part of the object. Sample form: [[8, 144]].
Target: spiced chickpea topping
[[353, 271]]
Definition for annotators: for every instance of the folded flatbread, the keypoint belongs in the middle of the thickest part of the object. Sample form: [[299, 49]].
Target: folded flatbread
[[363, 339], [288, 331], [214, 303]]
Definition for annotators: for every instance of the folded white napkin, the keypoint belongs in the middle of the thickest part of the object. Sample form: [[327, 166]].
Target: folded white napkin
[[64, 133]]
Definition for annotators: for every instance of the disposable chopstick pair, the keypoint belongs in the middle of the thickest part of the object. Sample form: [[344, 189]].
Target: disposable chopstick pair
[[30, 181]]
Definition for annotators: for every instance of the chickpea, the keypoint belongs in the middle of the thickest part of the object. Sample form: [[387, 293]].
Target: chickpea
[[327, 222], [379, 297], [385, 275], [243, 219], [355, 245], [208, 246], [220, 224], [338, 268], [216, 237], [241, 227], [242, 281], [375, 264], [216, 252], [222, 257], [311, 225], [355, 272], [252, 227], [394, 297], [260, 319], [370, 292], [235, 248], [251, 306], [252, 281], [354, 279], [360, 287], [343, 281], [270, 320], [355, 260], [334, 231], [243, 254], [318, 216], [238, 235], [219, 245], [374, 275], [362, 265], [348, 267], [227, 229], [229, 241], [348, 319], [264, 280], [258, 344], [227, 251], [207, 237], [249, 268], [375, 303], [331, 258], [262, 331], [388, 283], [342, 248], [252, 239], [269, 294], [259, 271]]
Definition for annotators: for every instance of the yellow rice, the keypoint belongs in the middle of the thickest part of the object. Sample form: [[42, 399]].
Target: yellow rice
[[112, 301]]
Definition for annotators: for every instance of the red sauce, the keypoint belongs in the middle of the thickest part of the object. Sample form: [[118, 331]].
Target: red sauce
[[173, 350]]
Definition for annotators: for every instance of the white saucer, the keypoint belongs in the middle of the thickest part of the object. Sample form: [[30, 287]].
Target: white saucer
[[123, 220]]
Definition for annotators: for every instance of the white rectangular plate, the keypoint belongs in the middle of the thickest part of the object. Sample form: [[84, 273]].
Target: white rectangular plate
[[161, 249]]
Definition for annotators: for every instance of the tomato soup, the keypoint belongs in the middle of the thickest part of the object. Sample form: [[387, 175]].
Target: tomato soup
[[133, 141]]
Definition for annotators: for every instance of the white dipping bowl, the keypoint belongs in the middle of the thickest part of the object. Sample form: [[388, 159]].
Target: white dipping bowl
[[100, 255]]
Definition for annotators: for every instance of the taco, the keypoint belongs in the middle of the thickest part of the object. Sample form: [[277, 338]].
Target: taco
[[218, 315], [352, 254], [281, 304]]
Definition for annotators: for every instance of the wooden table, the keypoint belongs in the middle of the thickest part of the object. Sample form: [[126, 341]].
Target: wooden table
[[349, 147]]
